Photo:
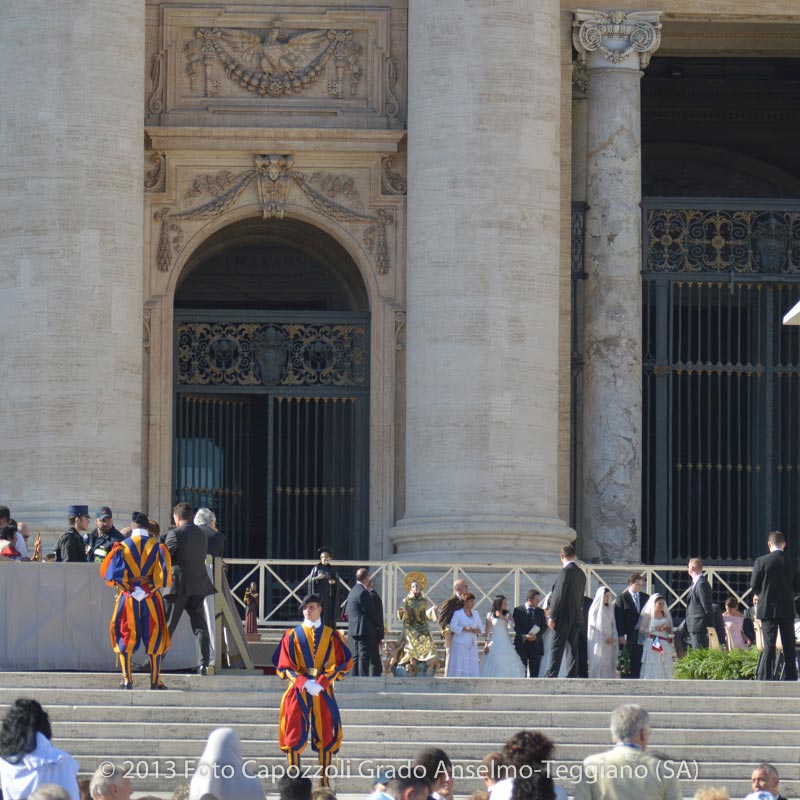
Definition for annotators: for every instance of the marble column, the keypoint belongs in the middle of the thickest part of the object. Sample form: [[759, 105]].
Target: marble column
[[71, 178], [615, 46], [483, 291]]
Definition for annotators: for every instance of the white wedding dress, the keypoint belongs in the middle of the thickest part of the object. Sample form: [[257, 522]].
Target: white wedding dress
[[502, 660]]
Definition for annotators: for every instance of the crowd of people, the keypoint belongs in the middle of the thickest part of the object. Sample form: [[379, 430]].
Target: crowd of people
[[567, 634], [32, 768]]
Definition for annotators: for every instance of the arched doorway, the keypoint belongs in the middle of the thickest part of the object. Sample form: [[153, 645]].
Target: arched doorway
[[272, 390]]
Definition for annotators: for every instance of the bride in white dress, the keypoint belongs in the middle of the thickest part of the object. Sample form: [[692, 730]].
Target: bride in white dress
[[656, 636], [500, 658]]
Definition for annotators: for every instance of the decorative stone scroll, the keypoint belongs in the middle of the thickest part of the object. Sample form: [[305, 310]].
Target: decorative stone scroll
[[155, 173], [392, 181], [274, 63], [617, 35], [273, 175], [155, 103]]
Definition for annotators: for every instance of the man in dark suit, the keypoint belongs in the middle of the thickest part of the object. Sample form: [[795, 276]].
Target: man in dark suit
[[776, 581], [376, 665], [187, 544], [566, 614], [699, 612], [364, 626], [627, 608], [528, 643]]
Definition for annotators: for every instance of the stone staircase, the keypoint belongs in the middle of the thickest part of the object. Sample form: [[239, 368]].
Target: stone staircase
[[719, 729]]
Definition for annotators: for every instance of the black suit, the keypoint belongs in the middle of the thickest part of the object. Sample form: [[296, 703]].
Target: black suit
[[566, 611], [364, 627], [190, 583], [699, 613], [376, 665], [626, 616], [776, 580], [531, 652], [748, 628]]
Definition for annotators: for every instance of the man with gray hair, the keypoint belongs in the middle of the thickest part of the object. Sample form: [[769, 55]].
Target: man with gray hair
[[627, 772], [109, 782], [765, 778]]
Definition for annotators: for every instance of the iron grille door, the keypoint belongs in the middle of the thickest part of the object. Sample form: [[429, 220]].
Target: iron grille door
[[212, 441], [293, 464], [316, 475], [720, 379]]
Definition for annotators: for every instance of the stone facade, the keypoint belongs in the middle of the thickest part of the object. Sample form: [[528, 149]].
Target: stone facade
[[465, 132]]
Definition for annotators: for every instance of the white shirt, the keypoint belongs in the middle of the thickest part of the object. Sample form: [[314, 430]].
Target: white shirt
[[19, 543], [502, 790], [307, 623], [45, 764]]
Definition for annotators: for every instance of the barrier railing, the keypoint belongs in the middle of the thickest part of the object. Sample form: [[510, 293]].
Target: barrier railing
[[283, 583]]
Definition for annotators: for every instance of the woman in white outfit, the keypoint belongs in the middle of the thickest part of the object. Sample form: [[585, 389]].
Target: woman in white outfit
[[602, 636], [466, 625], [656, 636], [500, 658]]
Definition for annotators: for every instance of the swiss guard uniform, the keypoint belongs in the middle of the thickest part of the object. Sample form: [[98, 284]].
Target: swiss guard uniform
[[313, 654], [139, 566]]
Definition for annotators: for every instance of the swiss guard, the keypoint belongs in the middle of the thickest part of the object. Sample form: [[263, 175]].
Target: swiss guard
[[139, 566], [311, 657]]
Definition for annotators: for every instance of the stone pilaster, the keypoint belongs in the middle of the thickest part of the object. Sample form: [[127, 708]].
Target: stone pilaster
[[615, 46], [71, 204], [483, 256]]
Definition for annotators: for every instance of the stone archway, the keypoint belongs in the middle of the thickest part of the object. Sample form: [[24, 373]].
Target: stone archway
[[271, 389]]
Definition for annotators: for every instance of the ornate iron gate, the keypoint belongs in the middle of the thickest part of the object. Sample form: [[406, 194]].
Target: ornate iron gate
[[271, 429], [721, 378]]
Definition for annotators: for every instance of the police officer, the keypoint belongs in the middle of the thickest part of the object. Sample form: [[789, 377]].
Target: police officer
[[70, 546], [100, 541]]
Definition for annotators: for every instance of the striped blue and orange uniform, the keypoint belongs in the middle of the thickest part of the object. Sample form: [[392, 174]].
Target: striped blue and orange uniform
[[304, 654], [139, 561]]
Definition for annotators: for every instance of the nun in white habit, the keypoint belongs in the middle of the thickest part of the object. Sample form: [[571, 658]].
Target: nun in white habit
[[602, 637], [221, 773]]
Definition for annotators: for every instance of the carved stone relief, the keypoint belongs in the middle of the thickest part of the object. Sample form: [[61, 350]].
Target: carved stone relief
[[237, 61], [155, 102], [274, 175], [154, 173], [399, 325], [617, 35], [273, 62], [392, 175]]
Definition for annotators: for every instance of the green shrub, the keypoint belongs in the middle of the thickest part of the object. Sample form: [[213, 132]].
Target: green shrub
[[718, 665]]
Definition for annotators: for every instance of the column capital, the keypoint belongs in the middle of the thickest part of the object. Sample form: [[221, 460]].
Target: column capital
[[616, 38]]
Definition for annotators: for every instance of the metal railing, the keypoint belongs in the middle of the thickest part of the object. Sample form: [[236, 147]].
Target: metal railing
[[283, 583]]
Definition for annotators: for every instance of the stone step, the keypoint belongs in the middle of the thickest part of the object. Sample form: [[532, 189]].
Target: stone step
[[255, 708], [242, 681], [728, 726]]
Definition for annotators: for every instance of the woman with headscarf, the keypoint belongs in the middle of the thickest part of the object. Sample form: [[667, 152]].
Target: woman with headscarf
[[27, 757], [656, 637], [221, 772], [602, 636]]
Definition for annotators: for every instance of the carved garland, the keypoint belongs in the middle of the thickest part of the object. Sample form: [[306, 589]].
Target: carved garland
[[278, 64], [274, 175]]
